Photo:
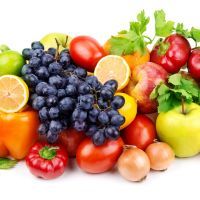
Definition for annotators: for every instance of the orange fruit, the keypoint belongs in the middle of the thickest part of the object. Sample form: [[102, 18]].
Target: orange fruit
[[14, 93], [107, 47], [137, 59], [113, 67], [129, 109], [133, 60]]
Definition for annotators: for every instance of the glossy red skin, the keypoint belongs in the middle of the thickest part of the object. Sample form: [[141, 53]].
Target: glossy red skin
[[140, 133], [70, 139], [194, 63], [98, 159], [175, 57], [43, 168], [86, 52], [144, 79]]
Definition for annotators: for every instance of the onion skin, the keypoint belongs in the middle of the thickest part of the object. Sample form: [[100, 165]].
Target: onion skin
[[133, 164], [160, 155]]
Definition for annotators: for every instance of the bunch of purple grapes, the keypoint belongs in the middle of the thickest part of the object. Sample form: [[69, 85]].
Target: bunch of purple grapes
[[65, 96]]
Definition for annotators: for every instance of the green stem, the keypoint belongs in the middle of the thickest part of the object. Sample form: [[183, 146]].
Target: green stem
[[164, 46], [150, 40], [4, 48], [48, 153]]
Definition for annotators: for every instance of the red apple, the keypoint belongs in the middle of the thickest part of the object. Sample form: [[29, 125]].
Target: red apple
[[71, 139], [140, 133], [194, 63], [143, 80]]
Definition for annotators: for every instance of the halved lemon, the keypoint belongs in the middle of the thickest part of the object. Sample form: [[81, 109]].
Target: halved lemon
[[113, 67], [14, 93]]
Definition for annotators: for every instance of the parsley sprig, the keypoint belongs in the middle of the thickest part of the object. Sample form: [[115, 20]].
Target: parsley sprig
[[135, 38], [164, 28], [132, 40], [178, 90]]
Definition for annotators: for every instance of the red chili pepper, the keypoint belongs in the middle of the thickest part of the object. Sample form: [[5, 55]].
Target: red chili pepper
[[47, 161], [172, 53]]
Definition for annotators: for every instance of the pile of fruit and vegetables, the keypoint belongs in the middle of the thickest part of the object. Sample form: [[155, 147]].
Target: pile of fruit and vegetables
[[132, 103]]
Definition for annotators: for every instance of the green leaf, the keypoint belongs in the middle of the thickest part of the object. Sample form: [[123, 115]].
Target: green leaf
[[163, 105], [195, 33], [190, 86], [175, 79], [6, 163], [140, 45], [183, 93], [170, 95], [135, 27], [143, 20], [121, 46], [130, 35], [122, 32], [154, 93], [170, 103], [163, 28], [182, 31], [163, 89], [132, 40]]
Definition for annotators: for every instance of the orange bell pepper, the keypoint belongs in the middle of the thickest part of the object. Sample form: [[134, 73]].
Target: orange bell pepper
[[18, 132]]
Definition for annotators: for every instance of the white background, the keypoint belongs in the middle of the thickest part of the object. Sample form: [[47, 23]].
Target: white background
[[25, 21]]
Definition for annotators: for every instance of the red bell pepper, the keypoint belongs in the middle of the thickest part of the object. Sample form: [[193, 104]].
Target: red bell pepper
[[172, 53], [47, 161]]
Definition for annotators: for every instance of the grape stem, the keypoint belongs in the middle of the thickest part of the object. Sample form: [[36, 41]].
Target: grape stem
[[66, 40], [57, 49]]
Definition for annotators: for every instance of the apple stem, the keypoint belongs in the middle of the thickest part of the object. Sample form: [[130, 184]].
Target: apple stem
[[57, 49], [183, 105]]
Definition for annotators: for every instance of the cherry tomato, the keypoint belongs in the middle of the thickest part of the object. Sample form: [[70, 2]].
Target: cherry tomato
[[98, 159], [86, 52], [194, 63], [133, 164], [160, 155], [71, 139], [141, 132], [172, 53]]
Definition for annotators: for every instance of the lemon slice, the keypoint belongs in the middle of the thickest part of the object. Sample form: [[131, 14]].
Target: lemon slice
[[113, 67], [14, 93]]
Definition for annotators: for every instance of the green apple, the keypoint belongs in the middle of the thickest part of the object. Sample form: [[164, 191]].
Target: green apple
[[49, 40], [181, 131], [11, 61]]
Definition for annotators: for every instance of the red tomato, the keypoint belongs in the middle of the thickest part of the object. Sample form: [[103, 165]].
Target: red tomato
[[86, 52], [98, 159], [71, 139], [172, 53], [141, 132], [194, 63]]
